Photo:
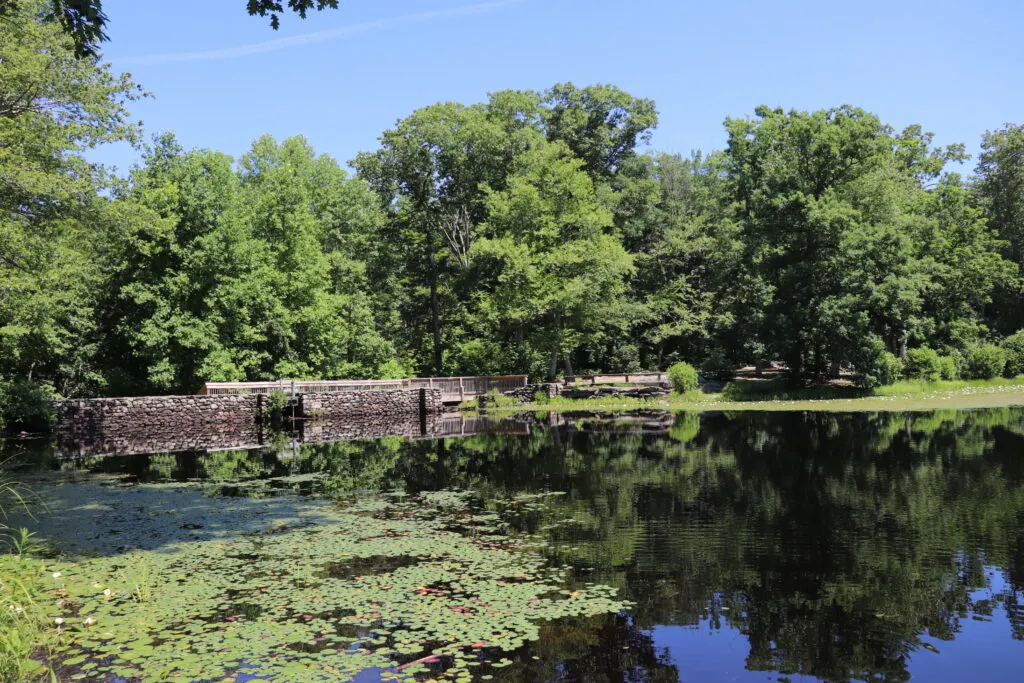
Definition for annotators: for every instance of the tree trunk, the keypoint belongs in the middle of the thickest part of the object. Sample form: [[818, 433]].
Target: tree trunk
[[435, 312], [569, 374], [553, 368]]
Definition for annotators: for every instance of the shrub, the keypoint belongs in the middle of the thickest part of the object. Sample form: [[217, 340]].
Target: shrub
[[26, 405], [683, 377], [277, 401], [986, 362], [1013, 348], [889, 369], [924, 364], [496, 399], [949, 367], [876, 367]]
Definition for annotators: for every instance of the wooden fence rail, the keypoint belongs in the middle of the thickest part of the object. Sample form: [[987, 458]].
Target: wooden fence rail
[[452, 388], [626, 378]]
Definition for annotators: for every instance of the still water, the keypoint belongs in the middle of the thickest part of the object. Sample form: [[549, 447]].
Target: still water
[[751, 546]]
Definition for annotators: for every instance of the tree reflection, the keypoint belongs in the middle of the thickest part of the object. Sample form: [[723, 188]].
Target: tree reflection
[[837, 544], [834, 543]]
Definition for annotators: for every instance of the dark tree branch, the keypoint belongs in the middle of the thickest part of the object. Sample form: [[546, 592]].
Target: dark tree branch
[[86, 23]]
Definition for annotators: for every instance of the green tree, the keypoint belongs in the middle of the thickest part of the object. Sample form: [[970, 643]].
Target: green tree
[[1000, 191], [252, 273], [671, 212], [552, 261], [601, 124], [54, 225], [853, 236], [429, 172]]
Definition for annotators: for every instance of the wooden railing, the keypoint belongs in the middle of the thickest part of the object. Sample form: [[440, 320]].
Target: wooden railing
[[452, 388], [625, 378], [468, 425], [299, 387], [468, 387]]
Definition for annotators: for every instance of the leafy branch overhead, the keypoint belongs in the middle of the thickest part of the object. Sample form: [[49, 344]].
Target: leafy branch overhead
[[86, 23], [275, 8]]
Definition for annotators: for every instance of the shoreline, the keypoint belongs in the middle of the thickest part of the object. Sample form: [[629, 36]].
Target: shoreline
[[1006, 395]]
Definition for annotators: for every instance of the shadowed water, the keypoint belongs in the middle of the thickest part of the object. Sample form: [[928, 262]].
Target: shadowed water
[[755, 546]]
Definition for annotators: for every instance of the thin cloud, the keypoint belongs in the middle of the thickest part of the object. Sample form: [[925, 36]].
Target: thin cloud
[[318, 36]]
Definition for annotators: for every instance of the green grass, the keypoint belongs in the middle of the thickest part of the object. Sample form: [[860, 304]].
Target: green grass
[[773, 394], [25, 633], [914, 387]]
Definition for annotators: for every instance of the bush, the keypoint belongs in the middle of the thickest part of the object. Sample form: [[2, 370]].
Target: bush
[[950, 368], [26, 405], [1013, 349], [876, 367], [888, 369], [986, 362], [277, 401], [683, 377], [924, 364], [496, 399]]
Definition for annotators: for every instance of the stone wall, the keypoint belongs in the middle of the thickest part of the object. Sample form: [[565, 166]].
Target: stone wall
[[605, 391], [362, 427], [81, 441], [527, 393], [158, 424], [155, 423], [401, 402]]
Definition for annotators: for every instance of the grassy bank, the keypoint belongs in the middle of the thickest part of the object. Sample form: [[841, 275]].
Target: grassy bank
[[774, 395], [25, 632]]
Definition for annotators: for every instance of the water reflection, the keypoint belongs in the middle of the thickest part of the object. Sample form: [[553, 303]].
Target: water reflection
[[82, 438], [837, 547]]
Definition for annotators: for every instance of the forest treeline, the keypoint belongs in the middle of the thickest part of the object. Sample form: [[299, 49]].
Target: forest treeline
[[526, 234]]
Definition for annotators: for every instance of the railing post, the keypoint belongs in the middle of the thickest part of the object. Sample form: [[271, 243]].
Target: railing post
[[462, 390]]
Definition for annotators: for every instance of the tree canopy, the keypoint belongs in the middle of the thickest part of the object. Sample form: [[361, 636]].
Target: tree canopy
[[534, 232]]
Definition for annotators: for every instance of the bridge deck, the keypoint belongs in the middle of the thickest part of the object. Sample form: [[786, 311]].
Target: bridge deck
[[453, 389]]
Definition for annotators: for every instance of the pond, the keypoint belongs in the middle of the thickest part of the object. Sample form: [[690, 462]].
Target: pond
[[640, 547]]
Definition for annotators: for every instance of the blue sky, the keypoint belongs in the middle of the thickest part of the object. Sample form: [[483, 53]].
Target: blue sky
[[221, 78]]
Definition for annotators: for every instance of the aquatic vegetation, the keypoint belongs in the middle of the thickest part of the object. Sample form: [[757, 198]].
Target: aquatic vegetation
[[405, 585]]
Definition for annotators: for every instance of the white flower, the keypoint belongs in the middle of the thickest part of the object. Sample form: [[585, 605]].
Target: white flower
[[89, 621], [16, 609], [96, 585], [56, 575], [58, 621], [107, 592]]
